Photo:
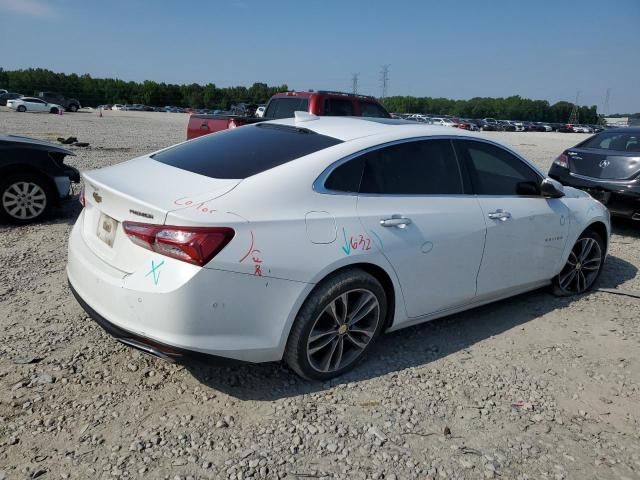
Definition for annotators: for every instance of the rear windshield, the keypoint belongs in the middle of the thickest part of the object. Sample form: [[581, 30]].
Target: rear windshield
[[283, 107], [242, 152], [618, 141]]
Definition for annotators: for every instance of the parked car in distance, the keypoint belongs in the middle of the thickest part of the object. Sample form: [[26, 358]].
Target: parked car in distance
[[443, 122], [117, 106], [607, 165], [2, 90], [283, 105], [363, 226], [33, 178], [8, 96], [32, 104], [260, 111], [582, 129], [566, 128], [69, 104]]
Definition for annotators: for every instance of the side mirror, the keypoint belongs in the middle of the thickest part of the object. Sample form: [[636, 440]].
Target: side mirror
[[551, 188]]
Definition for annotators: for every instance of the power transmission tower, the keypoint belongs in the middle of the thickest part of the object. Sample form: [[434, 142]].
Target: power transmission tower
[[354, 83], [574, 117], [606, 102], [384, 80]]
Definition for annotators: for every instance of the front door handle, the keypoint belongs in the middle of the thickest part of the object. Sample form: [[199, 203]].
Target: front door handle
[[499, 214], [396, 220]]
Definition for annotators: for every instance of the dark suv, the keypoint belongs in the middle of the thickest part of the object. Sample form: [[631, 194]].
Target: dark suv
[[69, 104]]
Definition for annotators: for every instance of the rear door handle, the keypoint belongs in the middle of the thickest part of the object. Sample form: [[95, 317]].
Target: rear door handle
[[499, 214], [396, 220]]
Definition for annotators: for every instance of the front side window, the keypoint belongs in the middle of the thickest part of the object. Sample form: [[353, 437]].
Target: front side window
[[495, 171], [338, 107], [425, 167]]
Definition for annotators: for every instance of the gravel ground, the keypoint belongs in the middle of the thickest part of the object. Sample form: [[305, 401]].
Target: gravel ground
[[534, 387]]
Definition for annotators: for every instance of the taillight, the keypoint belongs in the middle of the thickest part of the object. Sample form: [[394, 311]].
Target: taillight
[[562, 161], [232, 124], [197, 245], [81, 196]]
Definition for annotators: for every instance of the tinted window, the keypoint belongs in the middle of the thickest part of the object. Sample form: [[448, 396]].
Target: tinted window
[[368, 109], [338, 107], [427, 167], [494, 171], [622, 142], [283, 107], [346, 177], [244, 151]]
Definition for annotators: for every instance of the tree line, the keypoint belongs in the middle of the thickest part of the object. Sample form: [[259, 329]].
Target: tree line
[[99, 91], [91, 91], [509, 108]]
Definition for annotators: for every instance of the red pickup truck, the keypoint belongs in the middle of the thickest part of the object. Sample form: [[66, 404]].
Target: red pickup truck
[[282, 105]]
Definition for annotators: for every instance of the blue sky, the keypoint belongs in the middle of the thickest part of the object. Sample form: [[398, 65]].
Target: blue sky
[[538, 49]]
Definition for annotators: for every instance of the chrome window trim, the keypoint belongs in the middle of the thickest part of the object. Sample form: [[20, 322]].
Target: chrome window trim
[[601, 180], [318, 184]]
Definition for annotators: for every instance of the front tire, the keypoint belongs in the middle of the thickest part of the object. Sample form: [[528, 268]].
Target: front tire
[[54, 110], [73, 108], [21, 108], [24, 198], [583, 266], [336, 325]]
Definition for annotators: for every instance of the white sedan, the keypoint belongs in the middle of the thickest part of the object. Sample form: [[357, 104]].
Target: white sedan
[[304, 239], [32, 104]]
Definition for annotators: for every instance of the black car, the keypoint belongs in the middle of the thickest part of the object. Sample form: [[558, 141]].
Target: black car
[[33, 178], [607, 165], [8, 96]]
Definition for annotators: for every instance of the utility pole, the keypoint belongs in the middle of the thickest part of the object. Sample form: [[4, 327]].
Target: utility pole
[[574, 117], [384, 80], [606, 102], [354, 83]]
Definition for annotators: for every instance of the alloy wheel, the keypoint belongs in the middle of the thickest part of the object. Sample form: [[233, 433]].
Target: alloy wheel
[[24, 200], [343, 330], [582, 267]]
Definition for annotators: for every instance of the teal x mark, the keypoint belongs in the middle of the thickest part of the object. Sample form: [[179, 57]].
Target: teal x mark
[[155, 271]]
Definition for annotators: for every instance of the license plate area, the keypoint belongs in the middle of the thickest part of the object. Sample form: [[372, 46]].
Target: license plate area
[[107, 228]]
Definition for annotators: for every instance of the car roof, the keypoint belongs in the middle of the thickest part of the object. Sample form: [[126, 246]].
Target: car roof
[[630, 130], [27, 142], [351, 128]]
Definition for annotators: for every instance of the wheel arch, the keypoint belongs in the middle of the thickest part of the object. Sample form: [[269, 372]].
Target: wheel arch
[[601, 229], [16, 169]]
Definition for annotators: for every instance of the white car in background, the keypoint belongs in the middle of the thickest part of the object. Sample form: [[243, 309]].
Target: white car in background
[[304, 239], [31, 104], [260, 111], [117, 106], [444, 122]]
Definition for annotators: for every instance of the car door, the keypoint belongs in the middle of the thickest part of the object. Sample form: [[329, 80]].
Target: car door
[[36, 105], [413, 206], [526, 232]]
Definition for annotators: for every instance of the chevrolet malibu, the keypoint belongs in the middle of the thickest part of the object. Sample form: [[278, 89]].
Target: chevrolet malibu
[[304, 239]]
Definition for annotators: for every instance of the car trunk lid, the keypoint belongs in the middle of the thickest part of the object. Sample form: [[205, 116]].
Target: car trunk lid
[[141, 190], [604, 164]]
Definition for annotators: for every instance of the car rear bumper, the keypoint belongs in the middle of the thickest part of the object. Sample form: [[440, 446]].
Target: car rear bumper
[[622, 199], [214, 312]]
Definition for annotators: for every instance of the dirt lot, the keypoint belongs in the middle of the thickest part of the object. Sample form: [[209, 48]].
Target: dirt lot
[[534, 387]]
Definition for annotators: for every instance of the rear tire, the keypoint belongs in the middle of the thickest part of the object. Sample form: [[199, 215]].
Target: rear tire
[[73, 108], [336, 325], [24, 198], [583, 266], [54, 110], [21, 108]]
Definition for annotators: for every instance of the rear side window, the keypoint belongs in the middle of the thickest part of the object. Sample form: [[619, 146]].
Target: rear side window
[[426, 167], [368, 109], [338, 107], [245, 151], [346, 177], [283, 107]]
